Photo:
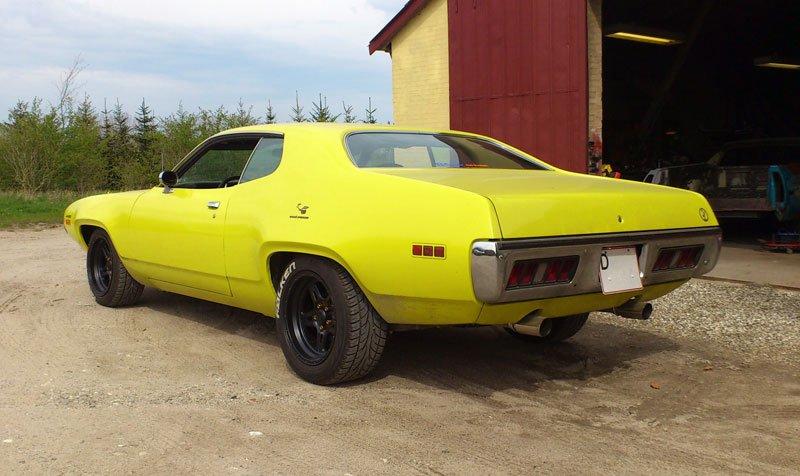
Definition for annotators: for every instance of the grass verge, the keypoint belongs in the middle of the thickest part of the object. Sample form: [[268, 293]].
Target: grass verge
[[19, 209]]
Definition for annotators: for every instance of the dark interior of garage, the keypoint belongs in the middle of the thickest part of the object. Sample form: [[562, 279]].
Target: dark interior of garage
[[678, 103]]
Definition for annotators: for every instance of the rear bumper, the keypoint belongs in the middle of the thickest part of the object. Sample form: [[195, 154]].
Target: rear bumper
[[492, 261]]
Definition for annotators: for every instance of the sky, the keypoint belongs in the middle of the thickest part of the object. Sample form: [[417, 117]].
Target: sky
[[200, 53]]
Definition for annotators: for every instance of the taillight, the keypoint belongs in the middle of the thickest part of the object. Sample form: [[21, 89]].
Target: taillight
[[678, 258], [540, 272]]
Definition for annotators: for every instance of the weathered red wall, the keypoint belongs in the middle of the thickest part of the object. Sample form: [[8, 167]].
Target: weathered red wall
[[518, 72]]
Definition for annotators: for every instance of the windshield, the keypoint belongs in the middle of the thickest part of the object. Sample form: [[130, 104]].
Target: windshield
[[426, 151]]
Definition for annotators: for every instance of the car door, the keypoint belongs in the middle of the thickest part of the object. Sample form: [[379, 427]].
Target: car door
[[178, 232]]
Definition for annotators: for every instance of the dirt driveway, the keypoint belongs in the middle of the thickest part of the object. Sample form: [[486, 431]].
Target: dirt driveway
[[177, 385]]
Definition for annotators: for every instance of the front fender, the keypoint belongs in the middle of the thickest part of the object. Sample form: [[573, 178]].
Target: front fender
[[111, 212]]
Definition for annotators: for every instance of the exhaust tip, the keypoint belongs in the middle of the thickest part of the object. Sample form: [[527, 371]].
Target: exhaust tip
[[633, 310]]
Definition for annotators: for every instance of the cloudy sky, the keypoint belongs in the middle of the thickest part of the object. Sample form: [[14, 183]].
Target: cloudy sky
[[202, 53]]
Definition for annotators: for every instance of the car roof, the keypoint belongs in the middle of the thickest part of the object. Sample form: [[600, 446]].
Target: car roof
[[331, 127]]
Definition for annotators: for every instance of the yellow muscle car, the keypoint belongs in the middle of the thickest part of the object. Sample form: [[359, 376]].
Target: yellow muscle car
[[345, 232]]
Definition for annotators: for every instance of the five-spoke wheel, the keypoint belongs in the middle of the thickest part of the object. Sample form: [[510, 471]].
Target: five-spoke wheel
[[313, 320], [328, 330]]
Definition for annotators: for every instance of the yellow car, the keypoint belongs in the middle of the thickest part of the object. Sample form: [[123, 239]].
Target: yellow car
[[345, 232]]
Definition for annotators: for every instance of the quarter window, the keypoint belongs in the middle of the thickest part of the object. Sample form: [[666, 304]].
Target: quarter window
[[265, 159]]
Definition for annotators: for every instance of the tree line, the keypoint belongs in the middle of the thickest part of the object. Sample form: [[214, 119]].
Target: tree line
[[74, 146]]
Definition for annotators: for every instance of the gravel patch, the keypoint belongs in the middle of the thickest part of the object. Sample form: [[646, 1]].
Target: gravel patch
[[759, 322]]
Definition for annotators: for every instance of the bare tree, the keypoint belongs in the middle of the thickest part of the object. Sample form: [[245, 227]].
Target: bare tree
[[67, 86]]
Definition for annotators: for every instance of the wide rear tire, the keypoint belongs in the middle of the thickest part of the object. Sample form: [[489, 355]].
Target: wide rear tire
[[327, 329], [109, 281]]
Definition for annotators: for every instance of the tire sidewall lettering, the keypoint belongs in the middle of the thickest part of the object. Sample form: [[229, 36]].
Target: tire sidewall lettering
[[286, 273]]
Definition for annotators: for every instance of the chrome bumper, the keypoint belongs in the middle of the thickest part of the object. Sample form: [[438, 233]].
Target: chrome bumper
[[492, 261]]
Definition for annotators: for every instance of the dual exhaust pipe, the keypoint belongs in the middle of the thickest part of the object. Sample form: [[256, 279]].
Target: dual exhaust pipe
[[535, 325]]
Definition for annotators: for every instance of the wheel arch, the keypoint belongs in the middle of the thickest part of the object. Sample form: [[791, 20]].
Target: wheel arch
[[280, 256], [87, 228]]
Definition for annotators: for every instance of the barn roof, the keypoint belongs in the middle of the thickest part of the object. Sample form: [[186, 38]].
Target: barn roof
[[383, 39]]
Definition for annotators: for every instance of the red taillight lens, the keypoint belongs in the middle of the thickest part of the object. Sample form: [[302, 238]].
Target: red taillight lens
[[678, 258], [540, 272]]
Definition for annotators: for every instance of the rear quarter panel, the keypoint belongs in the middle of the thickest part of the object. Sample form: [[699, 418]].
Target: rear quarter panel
[[365, 221]]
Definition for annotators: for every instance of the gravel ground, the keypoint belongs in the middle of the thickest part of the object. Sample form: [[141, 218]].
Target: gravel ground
[[759, 322], [175, 385]]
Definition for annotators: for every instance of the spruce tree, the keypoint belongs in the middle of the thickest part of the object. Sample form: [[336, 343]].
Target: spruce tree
[[369, 116], [321, 112], [270, 117], [105, 125], [82, 155], [349, 117], [144, 130], [122, 149], [297, 110]]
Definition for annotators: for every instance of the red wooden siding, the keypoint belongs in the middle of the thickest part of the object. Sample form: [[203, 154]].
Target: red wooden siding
[[518, 72]]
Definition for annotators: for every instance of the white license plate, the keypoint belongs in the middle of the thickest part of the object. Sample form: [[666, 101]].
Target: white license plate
[[619, 270]]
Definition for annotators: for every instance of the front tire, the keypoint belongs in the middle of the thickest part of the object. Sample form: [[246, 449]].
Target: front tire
[[328, 330], [557, 330], [109, 281]]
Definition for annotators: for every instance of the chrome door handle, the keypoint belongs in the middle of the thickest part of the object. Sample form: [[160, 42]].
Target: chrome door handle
[[213, 205]]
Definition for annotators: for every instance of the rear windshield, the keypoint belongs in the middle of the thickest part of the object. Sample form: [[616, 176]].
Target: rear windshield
[[427, 151]]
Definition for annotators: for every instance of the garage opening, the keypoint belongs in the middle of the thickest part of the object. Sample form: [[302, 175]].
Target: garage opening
[[683, 80], [670, 104]]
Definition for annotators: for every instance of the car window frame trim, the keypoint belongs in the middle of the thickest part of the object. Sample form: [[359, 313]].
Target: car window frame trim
[[544, 166], [194, 155]]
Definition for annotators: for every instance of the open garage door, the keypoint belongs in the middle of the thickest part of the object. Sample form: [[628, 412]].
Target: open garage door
[[703, 95], [519, 74]]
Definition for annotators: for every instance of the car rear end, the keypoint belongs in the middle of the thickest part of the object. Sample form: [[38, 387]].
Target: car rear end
[[567, 243], [546, 275]]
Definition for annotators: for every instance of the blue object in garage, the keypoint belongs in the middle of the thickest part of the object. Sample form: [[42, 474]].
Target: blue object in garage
[[784, 193]]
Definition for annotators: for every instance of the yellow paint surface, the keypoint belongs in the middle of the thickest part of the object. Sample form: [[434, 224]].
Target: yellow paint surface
[[420, 70], [367, 221]]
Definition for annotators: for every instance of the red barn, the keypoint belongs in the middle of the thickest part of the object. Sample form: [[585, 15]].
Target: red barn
[[661, 81]]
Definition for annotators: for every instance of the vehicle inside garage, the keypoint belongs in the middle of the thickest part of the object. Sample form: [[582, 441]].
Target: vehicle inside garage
[[682, 78]]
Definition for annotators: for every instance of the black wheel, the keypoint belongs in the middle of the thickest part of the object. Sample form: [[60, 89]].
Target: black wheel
[[109, 281], [555, 330], [328, 330]]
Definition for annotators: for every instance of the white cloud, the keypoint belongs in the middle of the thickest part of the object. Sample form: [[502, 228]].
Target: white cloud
[[341, 28], [202, 52]]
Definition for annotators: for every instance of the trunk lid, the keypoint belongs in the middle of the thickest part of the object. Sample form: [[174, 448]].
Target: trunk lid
[[537, 203]]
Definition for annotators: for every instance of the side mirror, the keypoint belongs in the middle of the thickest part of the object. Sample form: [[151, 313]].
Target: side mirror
[[168, 178]]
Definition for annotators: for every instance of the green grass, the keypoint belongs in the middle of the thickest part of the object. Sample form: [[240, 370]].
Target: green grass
[[19, 210]]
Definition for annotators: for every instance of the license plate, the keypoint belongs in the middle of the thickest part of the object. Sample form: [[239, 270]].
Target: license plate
[[619, 270]]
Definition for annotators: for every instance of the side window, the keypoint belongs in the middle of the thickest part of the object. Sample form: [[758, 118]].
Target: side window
[[220, 165], [264, 160]]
